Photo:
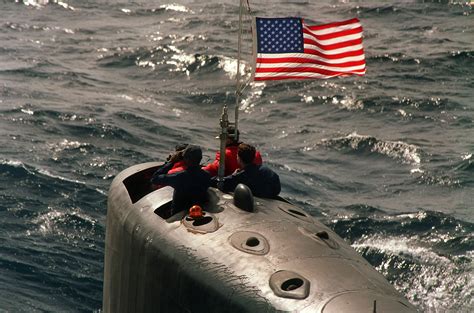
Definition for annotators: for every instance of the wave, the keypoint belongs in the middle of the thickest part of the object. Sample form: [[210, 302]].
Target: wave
[[425, 276], [465, 55], [17, 170], [178, 8], [52, 73], [169, 58], [427, 255], [438, 226], [408, 153], [402, 11], [41, 3], [69, 223], [466, 165], [458, 173], [398, 58]]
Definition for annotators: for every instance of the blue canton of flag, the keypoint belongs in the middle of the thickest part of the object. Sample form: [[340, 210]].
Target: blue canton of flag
[[279, 35]]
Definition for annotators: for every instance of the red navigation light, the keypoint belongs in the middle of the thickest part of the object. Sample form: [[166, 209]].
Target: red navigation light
[[195, 212]]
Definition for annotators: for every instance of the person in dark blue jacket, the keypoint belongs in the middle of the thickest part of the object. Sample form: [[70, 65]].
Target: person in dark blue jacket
[[262, 181], [190, 185]]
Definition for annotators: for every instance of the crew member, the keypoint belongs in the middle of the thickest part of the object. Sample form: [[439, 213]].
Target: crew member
[[231, 164], [190, 185], [262, 181]]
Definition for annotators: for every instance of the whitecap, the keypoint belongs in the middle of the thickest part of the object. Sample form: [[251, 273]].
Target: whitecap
[[467, 156], [175, 7], [402, 246], [42, 3], [408, 153], [14, 163], [51, 175], [27, 111], [255, 93], [432, 281], [307, 98], [55, 220], [229, 65]]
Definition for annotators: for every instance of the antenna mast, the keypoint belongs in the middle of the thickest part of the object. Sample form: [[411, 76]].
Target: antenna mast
[[224, 121], [238, 90]]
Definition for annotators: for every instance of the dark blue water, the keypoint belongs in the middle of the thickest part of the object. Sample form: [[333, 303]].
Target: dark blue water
[[89, 88]]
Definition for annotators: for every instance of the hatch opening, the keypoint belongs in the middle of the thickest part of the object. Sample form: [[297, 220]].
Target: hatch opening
[[292, 284], [138, 185], [252, 242], [164, 211], [202, 221], [296, 212], [323, 234]]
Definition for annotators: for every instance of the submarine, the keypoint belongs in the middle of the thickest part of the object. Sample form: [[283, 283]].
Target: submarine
[[244, 254], [241, 254]]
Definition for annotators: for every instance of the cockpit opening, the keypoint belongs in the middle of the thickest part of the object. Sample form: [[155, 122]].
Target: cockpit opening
[[138, 185]]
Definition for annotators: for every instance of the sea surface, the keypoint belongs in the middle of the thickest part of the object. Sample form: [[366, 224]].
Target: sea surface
[[89, 88]]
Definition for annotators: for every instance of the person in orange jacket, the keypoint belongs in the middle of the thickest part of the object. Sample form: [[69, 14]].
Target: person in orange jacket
[[231, 163]]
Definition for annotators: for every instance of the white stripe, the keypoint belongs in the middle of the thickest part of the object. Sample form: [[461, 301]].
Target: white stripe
[[313, 57], [335, 29], [334, 51], [334, 40], [317, 66]]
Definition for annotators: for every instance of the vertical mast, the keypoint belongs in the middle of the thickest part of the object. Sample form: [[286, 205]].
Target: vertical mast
[[237, 76], [224, 121]]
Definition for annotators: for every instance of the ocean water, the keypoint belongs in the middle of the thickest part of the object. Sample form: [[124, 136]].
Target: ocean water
[[89, 88]]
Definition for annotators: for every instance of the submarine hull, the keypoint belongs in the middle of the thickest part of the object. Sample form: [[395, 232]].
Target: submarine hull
[[276, 258]]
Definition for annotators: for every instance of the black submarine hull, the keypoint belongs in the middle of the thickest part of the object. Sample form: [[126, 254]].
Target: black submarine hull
[[275, 259]]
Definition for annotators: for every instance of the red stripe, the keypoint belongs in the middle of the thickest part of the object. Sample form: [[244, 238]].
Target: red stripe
[[333, 46], [301, 77], [302, 70], [282, 77], [308, 61], [324, 26], [341, 33]]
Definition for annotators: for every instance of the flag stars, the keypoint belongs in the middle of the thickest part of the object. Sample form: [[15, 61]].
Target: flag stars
[[281, 35]]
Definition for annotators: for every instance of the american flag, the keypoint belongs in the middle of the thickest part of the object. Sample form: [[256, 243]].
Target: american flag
[[287, 48]]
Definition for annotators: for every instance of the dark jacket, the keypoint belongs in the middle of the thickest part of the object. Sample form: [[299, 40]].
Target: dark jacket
[[262, 181], [190, 186]]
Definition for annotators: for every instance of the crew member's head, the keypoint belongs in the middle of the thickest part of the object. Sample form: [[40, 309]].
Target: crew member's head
[[192, 155], [232, 136], [246, 154], [180, 147]]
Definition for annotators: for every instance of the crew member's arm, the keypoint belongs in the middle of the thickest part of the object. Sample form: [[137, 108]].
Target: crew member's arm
[[213, 167], [161, 171], [231, 181], [172, 180]]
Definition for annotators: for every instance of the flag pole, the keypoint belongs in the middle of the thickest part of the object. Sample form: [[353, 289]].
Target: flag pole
[[224, 121], [238, 90]]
